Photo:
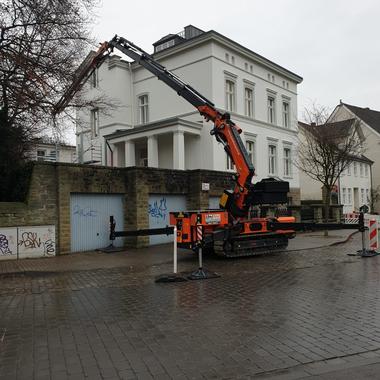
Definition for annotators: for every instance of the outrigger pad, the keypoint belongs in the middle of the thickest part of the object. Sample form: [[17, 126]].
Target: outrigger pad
[[171, 277], [202, 274], [111, 249], [367, 253]]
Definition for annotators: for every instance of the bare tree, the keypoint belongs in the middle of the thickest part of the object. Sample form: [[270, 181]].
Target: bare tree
[[326, 148], [42, 43]]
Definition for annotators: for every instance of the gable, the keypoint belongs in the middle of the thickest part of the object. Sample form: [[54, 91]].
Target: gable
[[343, 111]]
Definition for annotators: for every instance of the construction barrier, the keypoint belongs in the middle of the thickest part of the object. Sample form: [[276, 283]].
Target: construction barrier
[[373, 235]]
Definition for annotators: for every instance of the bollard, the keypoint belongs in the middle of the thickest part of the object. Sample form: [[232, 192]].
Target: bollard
[[172, 277]]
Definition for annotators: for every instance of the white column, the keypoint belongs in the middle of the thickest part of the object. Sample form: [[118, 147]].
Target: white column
[[130, 159], [114, 155], [178, 150], [152, 151]]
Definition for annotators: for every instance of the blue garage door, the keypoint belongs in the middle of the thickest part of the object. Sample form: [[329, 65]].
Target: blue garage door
[[90, 215], [160, 205]]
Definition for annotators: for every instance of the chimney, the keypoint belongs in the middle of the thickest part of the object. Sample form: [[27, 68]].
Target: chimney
[[313, 124]]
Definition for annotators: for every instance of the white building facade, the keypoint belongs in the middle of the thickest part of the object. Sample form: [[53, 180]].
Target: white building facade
[[355, 185], [152, 126], [42, 150], [370, 126]]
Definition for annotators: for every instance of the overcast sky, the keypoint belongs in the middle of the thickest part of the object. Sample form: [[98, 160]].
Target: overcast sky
[[333, 44]]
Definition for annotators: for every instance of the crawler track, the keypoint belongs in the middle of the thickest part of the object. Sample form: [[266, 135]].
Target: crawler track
[[249, 246]]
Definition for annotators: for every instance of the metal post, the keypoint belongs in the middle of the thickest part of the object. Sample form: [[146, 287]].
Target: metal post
[[200, 258], [172, 277], [175, 268], [201, 274]]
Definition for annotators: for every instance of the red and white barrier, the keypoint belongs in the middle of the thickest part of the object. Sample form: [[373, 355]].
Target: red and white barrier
[[373, 235], [199, 233]]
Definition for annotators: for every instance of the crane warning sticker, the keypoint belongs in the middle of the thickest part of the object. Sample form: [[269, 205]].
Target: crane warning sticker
[[212, 218]]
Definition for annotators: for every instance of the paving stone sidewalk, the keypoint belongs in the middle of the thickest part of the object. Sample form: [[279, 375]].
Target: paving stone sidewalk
[[291, 315], [143, 258]]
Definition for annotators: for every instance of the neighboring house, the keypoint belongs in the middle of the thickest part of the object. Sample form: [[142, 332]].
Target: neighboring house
[[46, 150], [370, 125], [353, 187], [152, 126]]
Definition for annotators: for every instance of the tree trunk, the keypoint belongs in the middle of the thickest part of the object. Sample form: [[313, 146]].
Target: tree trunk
[[326, 206]]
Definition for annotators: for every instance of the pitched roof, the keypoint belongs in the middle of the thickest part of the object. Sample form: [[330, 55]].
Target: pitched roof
[[370, 117], [339, 126]]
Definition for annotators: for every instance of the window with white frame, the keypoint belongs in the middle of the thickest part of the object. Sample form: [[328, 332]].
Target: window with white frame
[[230, 95], [366, 170], [227, 56], [271, 109], [349, 196], [285, 114], [94, 119], [248, 101], [229, 164], [250, 146], [348, 168], [232, 59], [355, 169], [344, 196], [94, 79], [272, 159], [143, 106], [362, 197], [41, 155], [287, 162], [368, 199], [361, 169]]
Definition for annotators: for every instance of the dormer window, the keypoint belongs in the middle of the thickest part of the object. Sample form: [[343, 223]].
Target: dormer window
[[165, 45]]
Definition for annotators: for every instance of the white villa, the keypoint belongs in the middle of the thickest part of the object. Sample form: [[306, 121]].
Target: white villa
[[152, 126]]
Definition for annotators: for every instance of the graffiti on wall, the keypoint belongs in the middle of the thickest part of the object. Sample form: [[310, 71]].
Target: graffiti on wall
[[22, 242], [8, 243], [36, 241], [84, 211], [158, 209]]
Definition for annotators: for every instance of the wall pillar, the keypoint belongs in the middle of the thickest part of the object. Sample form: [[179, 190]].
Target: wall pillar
[[153, 151], [179, 150], [130, 158]]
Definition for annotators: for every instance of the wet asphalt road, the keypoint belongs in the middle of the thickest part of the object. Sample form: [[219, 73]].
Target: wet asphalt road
[[292, 315]]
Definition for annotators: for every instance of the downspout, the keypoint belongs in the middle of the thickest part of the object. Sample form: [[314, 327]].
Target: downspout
[[370, 192], [132, 95], [109, 147]]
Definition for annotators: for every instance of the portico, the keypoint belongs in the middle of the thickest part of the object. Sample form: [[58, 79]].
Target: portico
[[157, 145]]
